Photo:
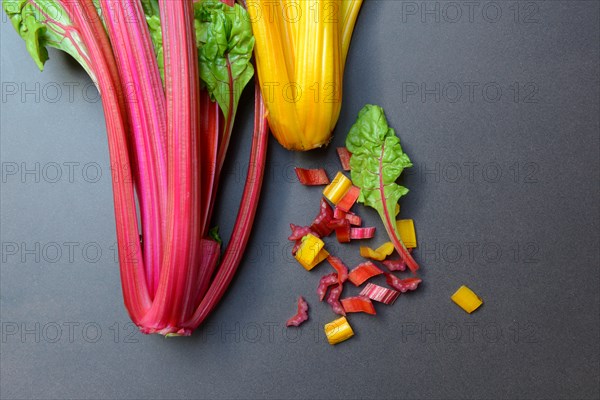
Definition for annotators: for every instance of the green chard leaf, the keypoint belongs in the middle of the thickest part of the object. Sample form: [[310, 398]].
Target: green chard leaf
[[377, 157], [376, 164], [225, 44], [46, 23], [213, 233], [157, 41], [150, 7]]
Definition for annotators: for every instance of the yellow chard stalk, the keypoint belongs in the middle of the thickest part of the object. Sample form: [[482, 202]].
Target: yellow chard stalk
[[301, 49]]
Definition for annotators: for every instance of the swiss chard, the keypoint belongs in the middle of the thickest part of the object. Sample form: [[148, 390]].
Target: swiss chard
[[75, 27], [173, 274], [376, 164]]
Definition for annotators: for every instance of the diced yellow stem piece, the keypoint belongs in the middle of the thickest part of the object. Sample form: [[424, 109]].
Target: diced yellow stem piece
[[309, 250], [466, 299], [368, 252], [339, 330], [406, 227], [378, 254], [337, 188], [322, 256], [387, 248]]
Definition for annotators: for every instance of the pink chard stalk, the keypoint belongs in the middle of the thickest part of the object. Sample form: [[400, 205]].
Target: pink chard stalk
[[183, 65]]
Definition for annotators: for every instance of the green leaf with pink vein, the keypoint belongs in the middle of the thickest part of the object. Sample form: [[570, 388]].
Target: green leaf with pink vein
[[377, 162], [45, 23]]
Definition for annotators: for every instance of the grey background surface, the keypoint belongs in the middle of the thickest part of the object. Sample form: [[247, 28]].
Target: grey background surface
[[504, 193]]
